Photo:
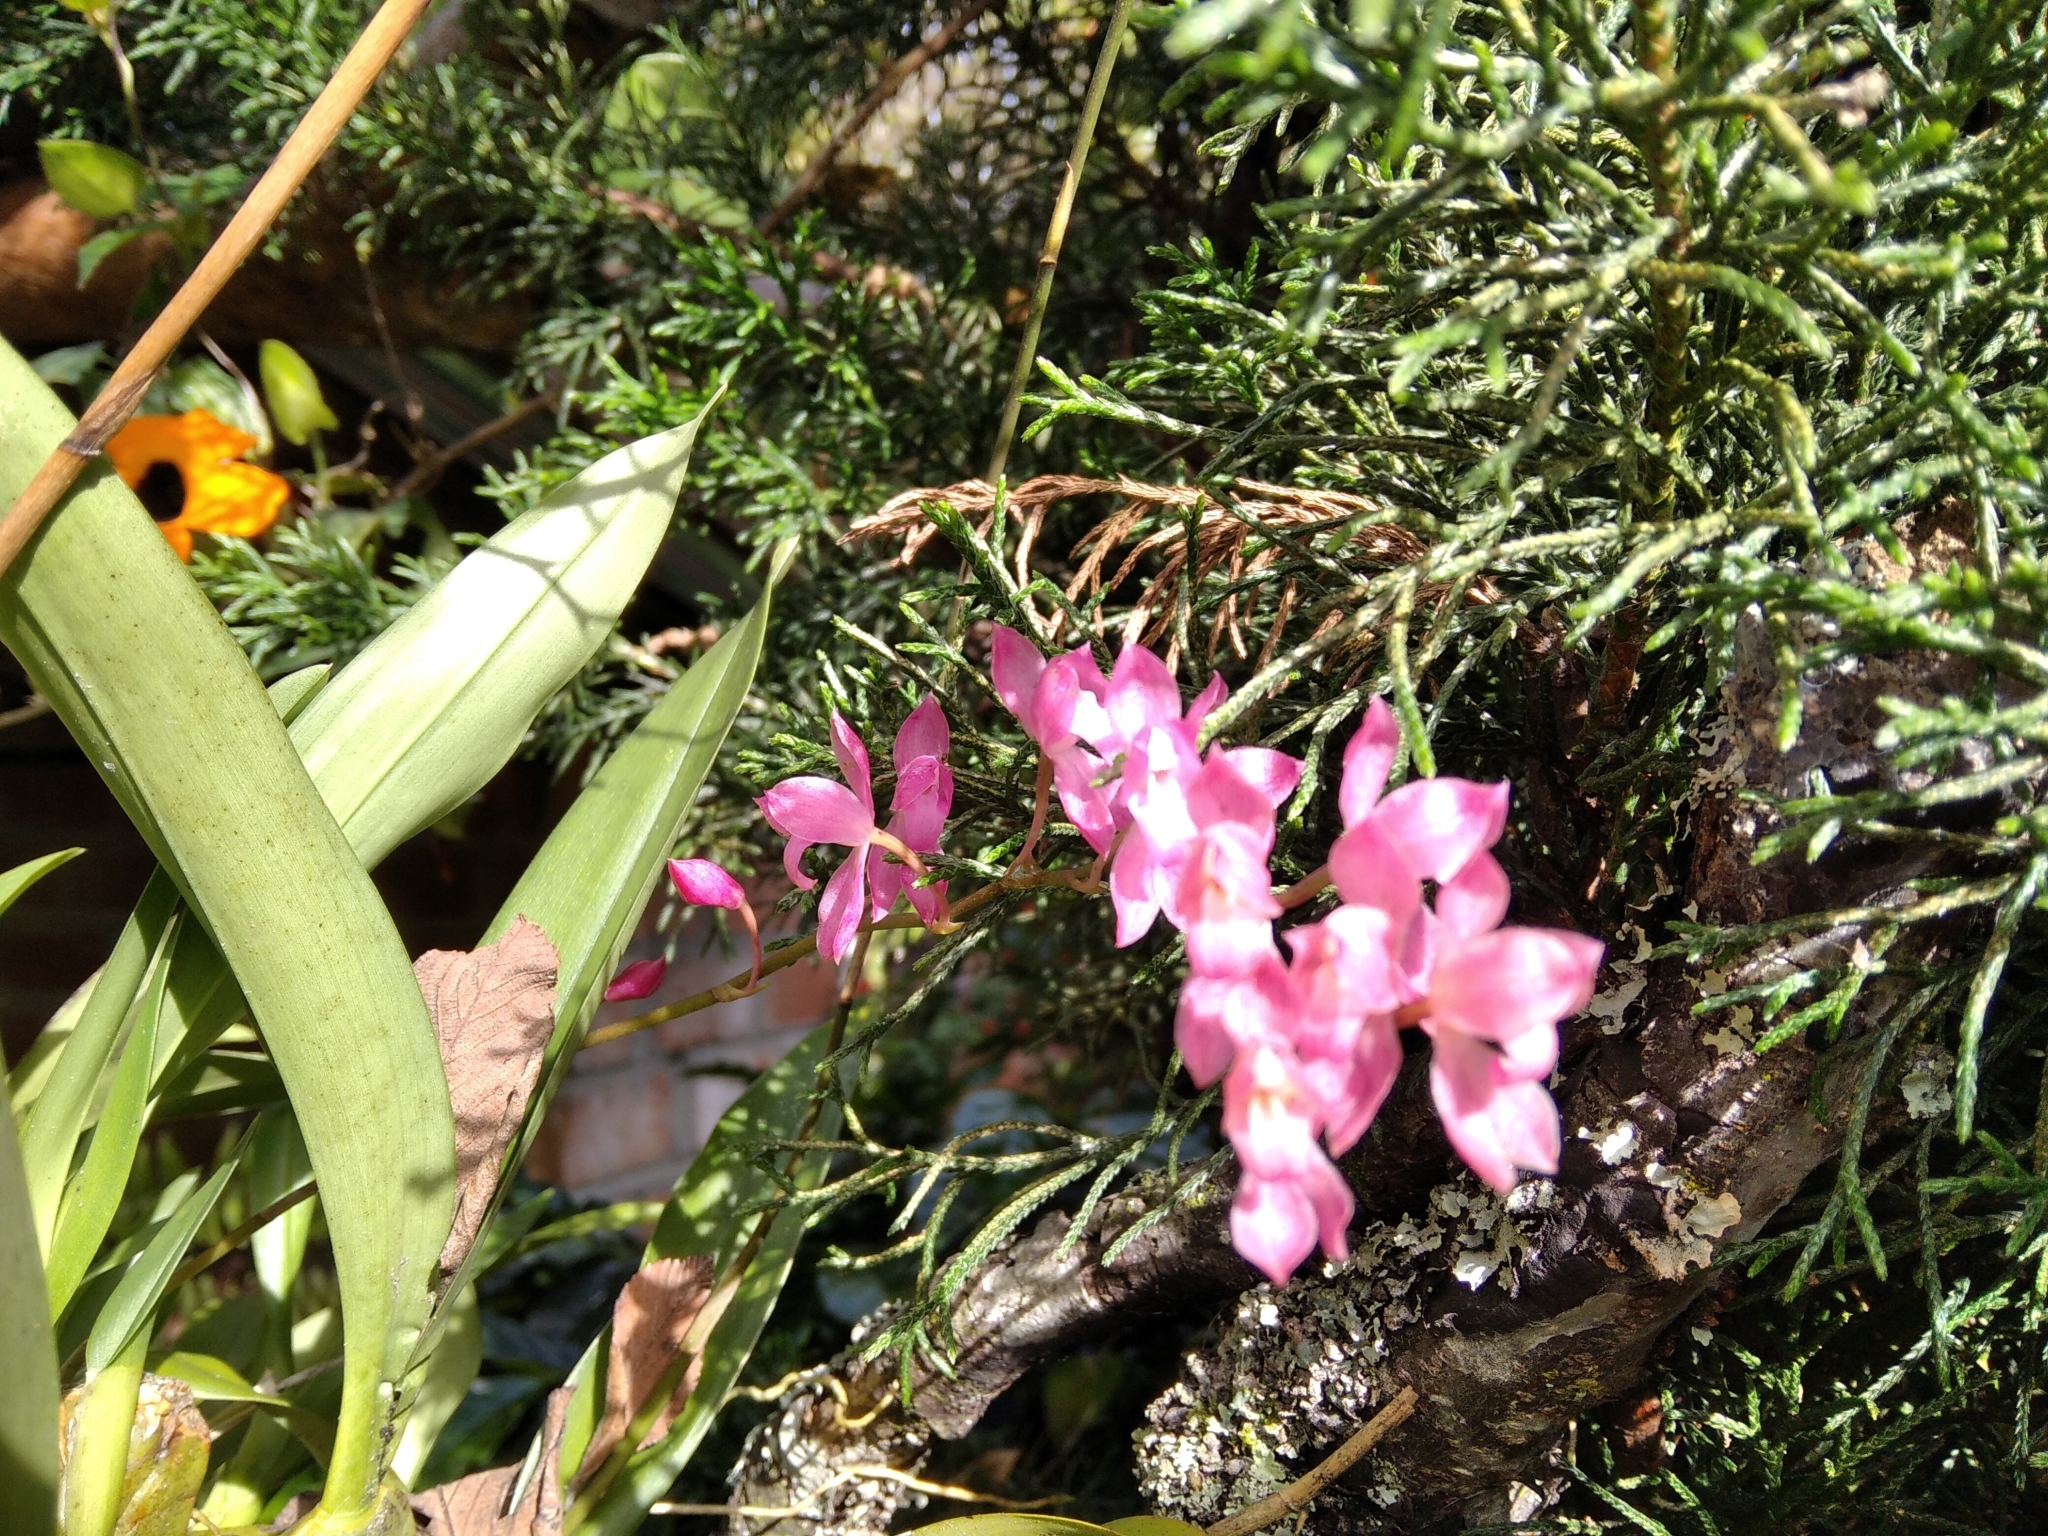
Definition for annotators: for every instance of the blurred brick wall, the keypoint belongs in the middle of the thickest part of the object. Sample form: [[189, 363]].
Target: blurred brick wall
[[632, 1113]]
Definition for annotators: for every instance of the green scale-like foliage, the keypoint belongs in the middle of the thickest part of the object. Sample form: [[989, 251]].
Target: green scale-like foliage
[[1573, 333]]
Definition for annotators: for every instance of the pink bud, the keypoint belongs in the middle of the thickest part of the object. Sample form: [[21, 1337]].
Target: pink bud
[[640, 979], [703, 884]]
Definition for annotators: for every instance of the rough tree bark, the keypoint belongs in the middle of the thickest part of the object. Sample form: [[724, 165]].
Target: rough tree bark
[[1508, 1317]]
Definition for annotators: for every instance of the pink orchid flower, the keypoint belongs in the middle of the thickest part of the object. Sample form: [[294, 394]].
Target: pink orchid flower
[[702, 883], [1289, 1194], [1425, 830], [1495, 998], [922, 802], [1057, 702], [809, 810], [638, 980], [1345, 998], [1223, 894], [1162, 767]]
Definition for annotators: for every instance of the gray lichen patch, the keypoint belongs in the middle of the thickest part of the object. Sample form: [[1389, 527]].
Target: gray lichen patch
[[1298, 1369]]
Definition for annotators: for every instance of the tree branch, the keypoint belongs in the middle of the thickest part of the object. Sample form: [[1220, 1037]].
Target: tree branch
[[892, 81]]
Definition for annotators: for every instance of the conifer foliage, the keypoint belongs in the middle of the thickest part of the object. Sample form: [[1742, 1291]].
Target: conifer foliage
[[1645, 399]]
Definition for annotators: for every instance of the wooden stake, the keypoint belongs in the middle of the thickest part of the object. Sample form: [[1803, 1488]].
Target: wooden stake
[[317, 131]]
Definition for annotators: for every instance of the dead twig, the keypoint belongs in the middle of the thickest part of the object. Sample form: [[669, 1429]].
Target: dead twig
[[1296, 1495], [423, 476], [891, 82]]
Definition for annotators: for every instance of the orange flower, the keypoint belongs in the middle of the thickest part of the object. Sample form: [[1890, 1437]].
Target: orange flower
[[189, 472]]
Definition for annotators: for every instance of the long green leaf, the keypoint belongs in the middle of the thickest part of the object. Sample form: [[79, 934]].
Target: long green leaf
[[592, 879], [28, 1357], [134, 1302], [115, 635], [709, 1214], [14, 882], [94, 1194], [440, 701], [50, 1135]]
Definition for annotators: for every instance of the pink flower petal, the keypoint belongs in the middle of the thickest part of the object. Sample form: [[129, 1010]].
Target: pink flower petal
[[704, 884], [1511, 980], [1272, 1225], [1268, 1112], [1142, 693], [928, 901], [1273, 774], [1015, 667], [852, 753], [886, 881], [1225, 900], [1473, 901], [1365, 950], [1053, 703], [920, 818], [1496, 1127], [638, 980], [1201, 1027], [1214, 692], [1132, 887], [1219, 793], [1087, 804], [1375, 1063], [839, 909], [1437, 825], [817, 810], [1369, 871], [923, 734], [1367, 762]]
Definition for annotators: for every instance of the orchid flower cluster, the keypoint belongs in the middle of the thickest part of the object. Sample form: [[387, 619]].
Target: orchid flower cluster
[[1305, 1042]]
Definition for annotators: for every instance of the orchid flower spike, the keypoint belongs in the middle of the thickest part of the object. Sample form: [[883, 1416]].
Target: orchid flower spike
[[702, 883]]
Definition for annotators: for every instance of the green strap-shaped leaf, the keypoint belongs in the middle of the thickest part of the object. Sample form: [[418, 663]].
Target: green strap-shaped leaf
[[18, 879], [133, 1305], [94, 1194], [147, 678], [50, 1135], [28, 1357], [440, 701], [591, 880], [708, 1214], [1011, 1524]]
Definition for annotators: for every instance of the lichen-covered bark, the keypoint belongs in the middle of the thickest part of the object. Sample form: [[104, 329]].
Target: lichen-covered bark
[[1508, 1317], [1029, 1302]]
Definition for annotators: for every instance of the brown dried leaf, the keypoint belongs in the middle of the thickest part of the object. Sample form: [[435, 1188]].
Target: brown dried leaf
[[653, 1315], [493, 1010], [475, 1505]]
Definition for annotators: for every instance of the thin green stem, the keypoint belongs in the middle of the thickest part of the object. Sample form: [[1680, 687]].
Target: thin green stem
[[1056, 234]]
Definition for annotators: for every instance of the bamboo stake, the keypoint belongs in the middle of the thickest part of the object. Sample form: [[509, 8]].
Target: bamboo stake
[[317, 130]]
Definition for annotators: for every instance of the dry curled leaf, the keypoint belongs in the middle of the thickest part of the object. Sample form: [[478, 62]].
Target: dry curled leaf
[[477, 1505], [493, 1010], [649, 1323]]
